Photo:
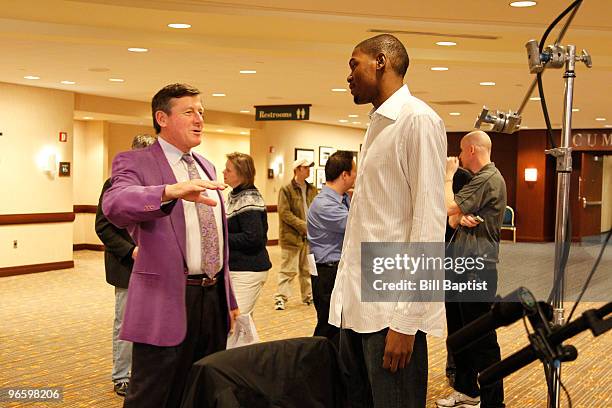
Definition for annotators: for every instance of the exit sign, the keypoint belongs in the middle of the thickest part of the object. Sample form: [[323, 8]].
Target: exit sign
[[282, 112], [63, 136]]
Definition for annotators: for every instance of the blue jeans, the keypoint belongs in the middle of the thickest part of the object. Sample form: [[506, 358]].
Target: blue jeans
[[122, 350], [369, 385]]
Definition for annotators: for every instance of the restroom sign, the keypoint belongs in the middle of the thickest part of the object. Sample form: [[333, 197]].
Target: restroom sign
[[282, 112]]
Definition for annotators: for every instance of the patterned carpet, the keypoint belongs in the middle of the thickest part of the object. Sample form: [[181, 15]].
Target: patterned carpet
[[56, 329]]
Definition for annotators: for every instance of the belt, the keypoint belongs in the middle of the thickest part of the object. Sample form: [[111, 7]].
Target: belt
[[204, 282], [328, 264]]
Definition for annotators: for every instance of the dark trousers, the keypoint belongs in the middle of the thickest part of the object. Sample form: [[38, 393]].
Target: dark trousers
[[159, 373], [482, 354], [369, 385], [322, 287]]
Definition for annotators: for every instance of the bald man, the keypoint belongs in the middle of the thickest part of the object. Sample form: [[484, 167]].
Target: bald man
[[477, 210]]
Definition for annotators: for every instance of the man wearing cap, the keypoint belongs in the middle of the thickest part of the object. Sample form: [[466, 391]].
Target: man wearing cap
[[293, 202]]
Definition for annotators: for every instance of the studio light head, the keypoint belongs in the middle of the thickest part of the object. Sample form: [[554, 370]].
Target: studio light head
[[497, 121]]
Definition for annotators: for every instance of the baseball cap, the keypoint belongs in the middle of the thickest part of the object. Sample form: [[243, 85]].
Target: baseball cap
[[302, 162]]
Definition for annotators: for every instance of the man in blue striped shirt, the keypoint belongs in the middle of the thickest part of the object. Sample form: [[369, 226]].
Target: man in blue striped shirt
[[326, 224]]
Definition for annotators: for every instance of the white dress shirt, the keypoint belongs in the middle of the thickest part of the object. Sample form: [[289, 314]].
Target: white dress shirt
[[192, 223], [398, 197]]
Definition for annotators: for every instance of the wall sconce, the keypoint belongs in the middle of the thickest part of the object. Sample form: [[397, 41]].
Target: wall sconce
[[47, 161], [531, 174], [277, 166]]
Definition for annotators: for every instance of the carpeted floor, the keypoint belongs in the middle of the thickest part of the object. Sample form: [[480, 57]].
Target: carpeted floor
[[56, 328]]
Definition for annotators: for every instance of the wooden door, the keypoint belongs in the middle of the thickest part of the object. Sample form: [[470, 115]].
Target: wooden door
[[589, 194]]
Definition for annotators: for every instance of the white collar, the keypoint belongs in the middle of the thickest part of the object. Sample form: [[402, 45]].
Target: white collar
[[173, 154], [393, 105]]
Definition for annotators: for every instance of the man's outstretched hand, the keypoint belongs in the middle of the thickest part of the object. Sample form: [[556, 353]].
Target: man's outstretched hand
[[192, 191]]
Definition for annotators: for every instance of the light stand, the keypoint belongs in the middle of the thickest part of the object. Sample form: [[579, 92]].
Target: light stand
[[556, 56]]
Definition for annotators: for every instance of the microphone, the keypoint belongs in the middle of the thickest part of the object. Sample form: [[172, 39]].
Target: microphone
[[504, 312]]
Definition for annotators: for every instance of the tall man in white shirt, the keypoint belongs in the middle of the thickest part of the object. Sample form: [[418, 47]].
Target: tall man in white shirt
[[399, 197]]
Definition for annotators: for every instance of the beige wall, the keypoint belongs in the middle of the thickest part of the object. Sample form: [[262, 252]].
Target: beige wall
[[284, 137], [30, 120], [215, 146], [90, 171], [120, 139], [90, 160]]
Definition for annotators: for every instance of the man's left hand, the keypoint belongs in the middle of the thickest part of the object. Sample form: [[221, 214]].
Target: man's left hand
[[398, 350], [233, 315]]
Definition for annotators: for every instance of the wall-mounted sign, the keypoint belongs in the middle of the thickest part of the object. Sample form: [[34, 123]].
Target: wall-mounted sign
[[64, 169], [63, 136], [282, 112], [592, 140]]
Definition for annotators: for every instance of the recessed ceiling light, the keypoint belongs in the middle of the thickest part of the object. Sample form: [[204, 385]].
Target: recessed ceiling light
[[248, 71], [487, 83], [353, 116], [136, 49], [220, 130], [439, 69], [446, 43], [575, 109], [600, 119], [455, 113], [244, 133], [608, 126], [356, 123], [523, 4], [116, 80], [245, 111], [534, 98], [179, 25], [343, 121], [338, 89], [218, 94], [31, 77], [87, 117], [68, 82]]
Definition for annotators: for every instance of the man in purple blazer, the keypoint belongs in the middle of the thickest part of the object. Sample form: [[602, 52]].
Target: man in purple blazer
[[180, 302]]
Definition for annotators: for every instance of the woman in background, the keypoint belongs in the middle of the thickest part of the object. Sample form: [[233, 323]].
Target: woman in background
[[247, 224]]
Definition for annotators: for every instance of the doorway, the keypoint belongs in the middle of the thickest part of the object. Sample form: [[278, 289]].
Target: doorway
[[591, 195]]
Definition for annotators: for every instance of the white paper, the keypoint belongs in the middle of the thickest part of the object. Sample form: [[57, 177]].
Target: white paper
[[312, 265]]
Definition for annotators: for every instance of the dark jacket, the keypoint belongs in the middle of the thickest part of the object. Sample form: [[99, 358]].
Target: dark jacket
[[118, 247], [247, 226]]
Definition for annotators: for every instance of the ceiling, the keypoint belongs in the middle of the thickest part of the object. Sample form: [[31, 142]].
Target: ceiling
[[300, 51]]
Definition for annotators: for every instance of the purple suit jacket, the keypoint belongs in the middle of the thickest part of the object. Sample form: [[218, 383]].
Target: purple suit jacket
[[155, 310]]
